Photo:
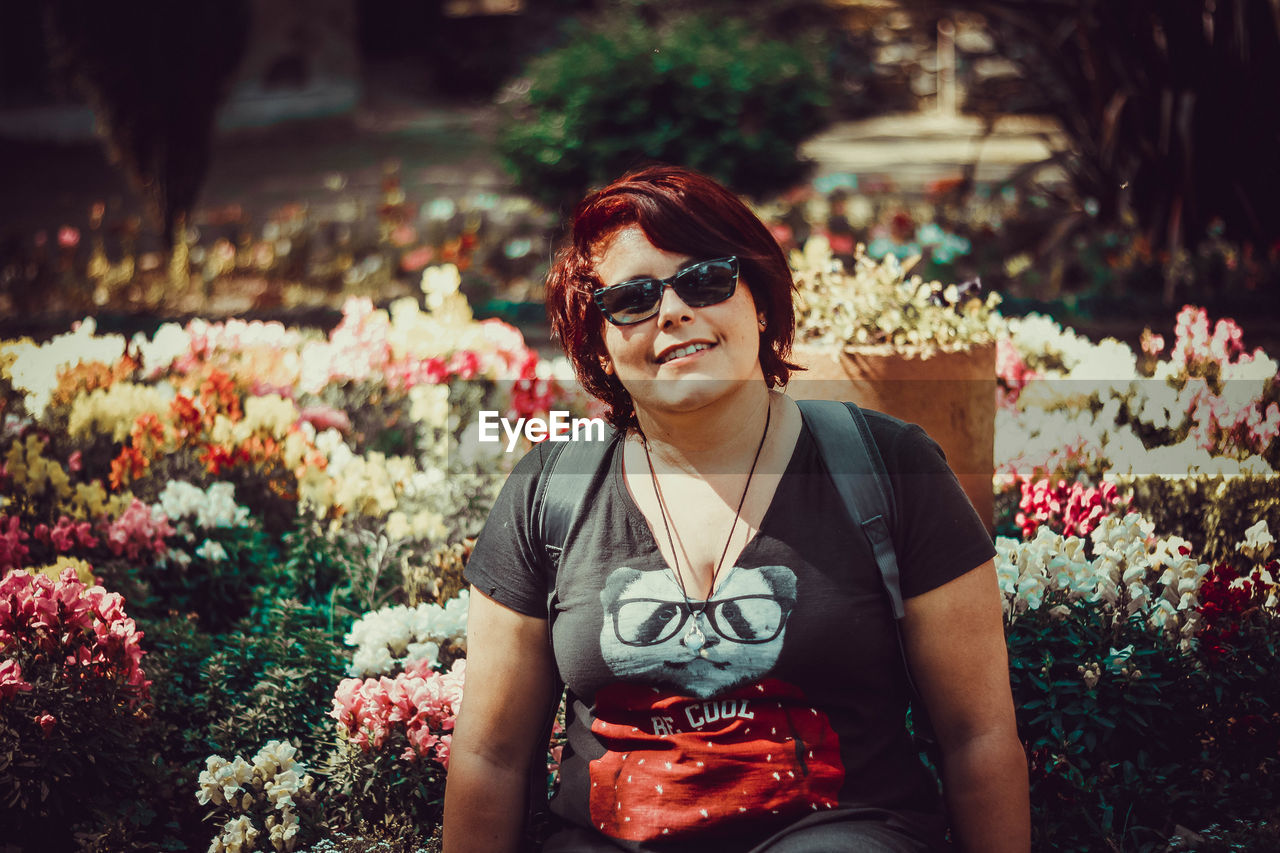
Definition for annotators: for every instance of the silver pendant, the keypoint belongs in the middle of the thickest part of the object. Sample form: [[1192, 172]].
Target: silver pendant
[[694, 639]]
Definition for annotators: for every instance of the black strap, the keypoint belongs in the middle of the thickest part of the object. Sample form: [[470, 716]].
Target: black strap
[[867, 492], [561, 491], [847, 449]]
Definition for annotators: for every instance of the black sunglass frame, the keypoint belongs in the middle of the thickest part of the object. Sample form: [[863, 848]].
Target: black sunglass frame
[[654, 287]]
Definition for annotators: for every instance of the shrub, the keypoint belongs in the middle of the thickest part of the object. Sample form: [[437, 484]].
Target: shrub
[[73, 728], [1133, 732], [394, 749], [712, 95], [275, 683]]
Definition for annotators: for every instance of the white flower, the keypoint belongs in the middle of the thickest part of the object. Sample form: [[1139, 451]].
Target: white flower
[[439, 283], [274, 758], [394, 636], [169, 342], [1258, 542], [36, 366], [238, 834], [212, 551], [211, 508]]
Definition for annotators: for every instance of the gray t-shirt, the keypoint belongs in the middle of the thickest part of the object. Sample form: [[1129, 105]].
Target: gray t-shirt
[[789, 698]]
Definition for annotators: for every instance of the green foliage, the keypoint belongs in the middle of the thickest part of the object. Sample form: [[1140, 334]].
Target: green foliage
[[397, 837], [711, 94], [273, 684], [1214, 510], [82, 769], [234, 694], [221, 591], [1130, 736], [379, 793], [317, 568]]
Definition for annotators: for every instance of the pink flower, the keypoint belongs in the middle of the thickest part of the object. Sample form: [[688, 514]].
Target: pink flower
[[11, 683], [12, 551], [419, 703], [1012, 372], [84, 628], [139, 531], [415, 259], [465, 364], [1072, 510], [47, 722], [325, 417]]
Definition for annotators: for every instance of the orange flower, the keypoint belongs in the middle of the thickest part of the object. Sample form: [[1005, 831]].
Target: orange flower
[[129, 465], [147, 434], [218, 394], [189, 419]]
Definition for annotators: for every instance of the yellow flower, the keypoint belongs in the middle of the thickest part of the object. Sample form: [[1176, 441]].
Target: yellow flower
[[84, 571], [32, 473], [270, 413], [113, 410]]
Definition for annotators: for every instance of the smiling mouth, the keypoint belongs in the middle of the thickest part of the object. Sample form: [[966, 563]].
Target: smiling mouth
[[681, 352]]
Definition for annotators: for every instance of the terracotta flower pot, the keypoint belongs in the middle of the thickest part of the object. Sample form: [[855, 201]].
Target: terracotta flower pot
[[950, 394]]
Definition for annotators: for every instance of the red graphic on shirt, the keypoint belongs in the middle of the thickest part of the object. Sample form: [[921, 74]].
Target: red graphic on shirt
[[680, 766]]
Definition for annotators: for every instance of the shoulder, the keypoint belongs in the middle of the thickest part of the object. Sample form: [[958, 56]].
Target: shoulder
[[905, 447]]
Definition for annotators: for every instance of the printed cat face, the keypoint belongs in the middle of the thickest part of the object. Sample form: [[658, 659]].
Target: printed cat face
[[648, 632]]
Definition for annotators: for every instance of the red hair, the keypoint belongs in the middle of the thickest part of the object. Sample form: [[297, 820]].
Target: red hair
[[679, 211]]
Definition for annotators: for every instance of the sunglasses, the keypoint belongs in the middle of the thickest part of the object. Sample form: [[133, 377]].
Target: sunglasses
[[698, 286]]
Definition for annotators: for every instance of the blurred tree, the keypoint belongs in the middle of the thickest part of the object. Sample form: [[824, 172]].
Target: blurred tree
[[1171, 108], [155, 73]]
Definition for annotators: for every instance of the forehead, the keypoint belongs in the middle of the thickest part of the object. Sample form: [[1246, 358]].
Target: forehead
[[628, 253]]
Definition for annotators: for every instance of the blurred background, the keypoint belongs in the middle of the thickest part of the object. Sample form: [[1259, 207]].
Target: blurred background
[[1101, 160]]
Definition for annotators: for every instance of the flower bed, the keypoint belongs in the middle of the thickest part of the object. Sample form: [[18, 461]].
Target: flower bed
[[232, 613]]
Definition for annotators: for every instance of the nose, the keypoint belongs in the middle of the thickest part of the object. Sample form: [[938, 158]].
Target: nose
[[672, 309]]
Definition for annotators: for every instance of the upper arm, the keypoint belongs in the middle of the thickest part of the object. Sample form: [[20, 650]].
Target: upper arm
[[510, 682], [954, 635]]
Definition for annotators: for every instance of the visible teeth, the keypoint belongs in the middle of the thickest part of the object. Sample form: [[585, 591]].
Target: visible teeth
[[683, 351]]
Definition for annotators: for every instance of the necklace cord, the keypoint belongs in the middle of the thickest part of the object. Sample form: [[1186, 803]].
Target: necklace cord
[[662, 510]]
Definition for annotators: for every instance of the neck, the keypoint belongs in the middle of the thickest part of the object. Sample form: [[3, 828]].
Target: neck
[[721, 438]]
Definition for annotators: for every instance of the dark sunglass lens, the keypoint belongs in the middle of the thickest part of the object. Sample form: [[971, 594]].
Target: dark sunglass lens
[[707, 283], [631, 301]]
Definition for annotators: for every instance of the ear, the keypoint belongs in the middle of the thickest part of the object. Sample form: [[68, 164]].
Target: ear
[[761, 322], [606, 364]]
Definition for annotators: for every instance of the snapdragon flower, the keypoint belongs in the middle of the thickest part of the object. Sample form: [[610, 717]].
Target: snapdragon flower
[[268, 784], [207, 509], [398, 636], [35, 367]]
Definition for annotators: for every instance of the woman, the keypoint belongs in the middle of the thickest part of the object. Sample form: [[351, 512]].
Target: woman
[[733, 670]]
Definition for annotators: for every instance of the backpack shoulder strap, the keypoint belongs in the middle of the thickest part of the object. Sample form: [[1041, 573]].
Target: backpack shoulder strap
[[849, 452], [845, 444], [562, 490], [558, 499]]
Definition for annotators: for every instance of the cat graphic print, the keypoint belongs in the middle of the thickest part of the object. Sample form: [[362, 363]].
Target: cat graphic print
[[697, 737]]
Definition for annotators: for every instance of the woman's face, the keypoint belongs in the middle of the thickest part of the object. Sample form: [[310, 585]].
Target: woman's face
[[644, 356]]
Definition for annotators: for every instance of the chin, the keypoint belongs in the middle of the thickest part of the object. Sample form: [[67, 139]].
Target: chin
[[685, 394]]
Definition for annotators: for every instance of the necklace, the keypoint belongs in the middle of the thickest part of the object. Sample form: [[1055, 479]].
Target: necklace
[[695, 638]]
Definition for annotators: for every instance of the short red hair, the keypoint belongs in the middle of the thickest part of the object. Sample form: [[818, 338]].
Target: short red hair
[[679, 211]]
